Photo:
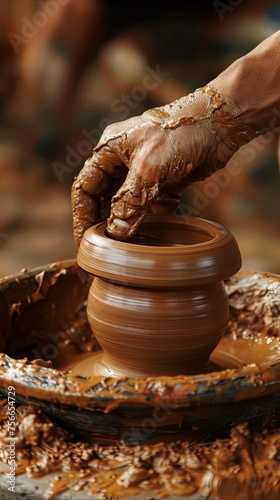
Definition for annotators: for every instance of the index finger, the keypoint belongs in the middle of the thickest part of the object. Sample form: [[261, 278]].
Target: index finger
[[92, 181]]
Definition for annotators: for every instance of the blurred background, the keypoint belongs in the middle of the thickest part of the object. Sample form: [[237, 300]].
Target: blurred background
[[68, 68]]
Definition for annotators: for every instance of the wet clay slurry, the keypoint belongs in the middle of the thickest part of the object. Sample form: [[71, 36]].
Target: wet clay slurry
[[242, 466], [157, 304]]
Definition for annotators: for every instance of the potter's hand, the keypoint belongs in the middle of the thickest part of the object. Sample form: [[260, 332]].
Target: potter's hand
[[144, 162]]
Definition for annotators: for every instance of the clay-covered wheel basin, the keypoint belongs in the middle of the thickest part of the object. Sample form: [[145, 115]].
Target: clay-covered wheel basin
[[77, 435], [43, 315]]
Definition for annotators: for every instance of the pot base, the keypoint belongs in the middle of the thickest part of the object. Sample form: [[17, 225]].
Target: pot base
[[98, 365], [229, 354]]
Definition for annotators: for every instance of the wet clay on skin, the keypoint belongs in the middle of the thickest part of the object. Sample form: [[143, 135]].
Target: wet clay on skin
[[222, 112], [205, 115]]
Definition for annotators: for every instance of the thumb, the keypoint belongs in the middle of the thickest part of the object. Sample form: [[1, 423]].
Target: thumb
[[130, 205]]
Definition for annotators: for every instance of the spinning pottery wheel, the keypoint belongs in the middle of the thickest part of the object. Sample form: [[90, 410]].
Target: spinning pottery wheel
[[209, 435]]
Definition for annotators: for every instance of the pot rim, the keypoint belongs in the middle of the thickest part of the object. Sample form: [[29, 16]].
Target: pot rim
[[128, 263]]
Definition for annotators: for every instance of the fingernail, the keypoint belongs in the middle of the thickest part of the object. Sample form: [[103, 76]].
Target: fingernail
[[118, 228]]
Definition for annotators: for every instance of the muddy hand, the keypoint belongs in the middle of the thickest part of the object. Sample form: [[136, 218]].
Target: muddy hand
[[145, 162], [119, 167]]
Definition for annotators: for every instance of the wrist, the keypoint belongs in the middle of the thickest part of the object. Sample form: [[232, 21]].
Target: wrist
[[253, 83]]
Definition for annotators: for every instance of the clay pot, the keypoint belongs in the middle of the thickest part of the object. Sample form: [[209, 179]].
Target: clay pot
[[158, 304]]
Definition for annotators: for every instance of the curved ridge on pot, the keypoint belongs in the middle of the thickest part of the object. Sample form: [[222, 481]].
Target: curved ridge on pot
[[170, 251]]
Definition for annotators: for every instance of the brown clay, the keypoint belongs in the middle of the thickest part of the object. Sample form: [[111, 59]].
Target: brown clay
[[158, 305], [245, 465]]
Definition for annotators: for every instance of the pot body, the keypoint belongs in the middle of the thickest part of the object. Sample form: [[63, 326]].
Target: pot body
[[157, 304], [157, 332]]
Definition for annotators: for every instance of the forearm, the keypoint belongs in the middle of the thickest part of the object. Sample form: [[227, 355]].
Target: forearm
[[253, 82]]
